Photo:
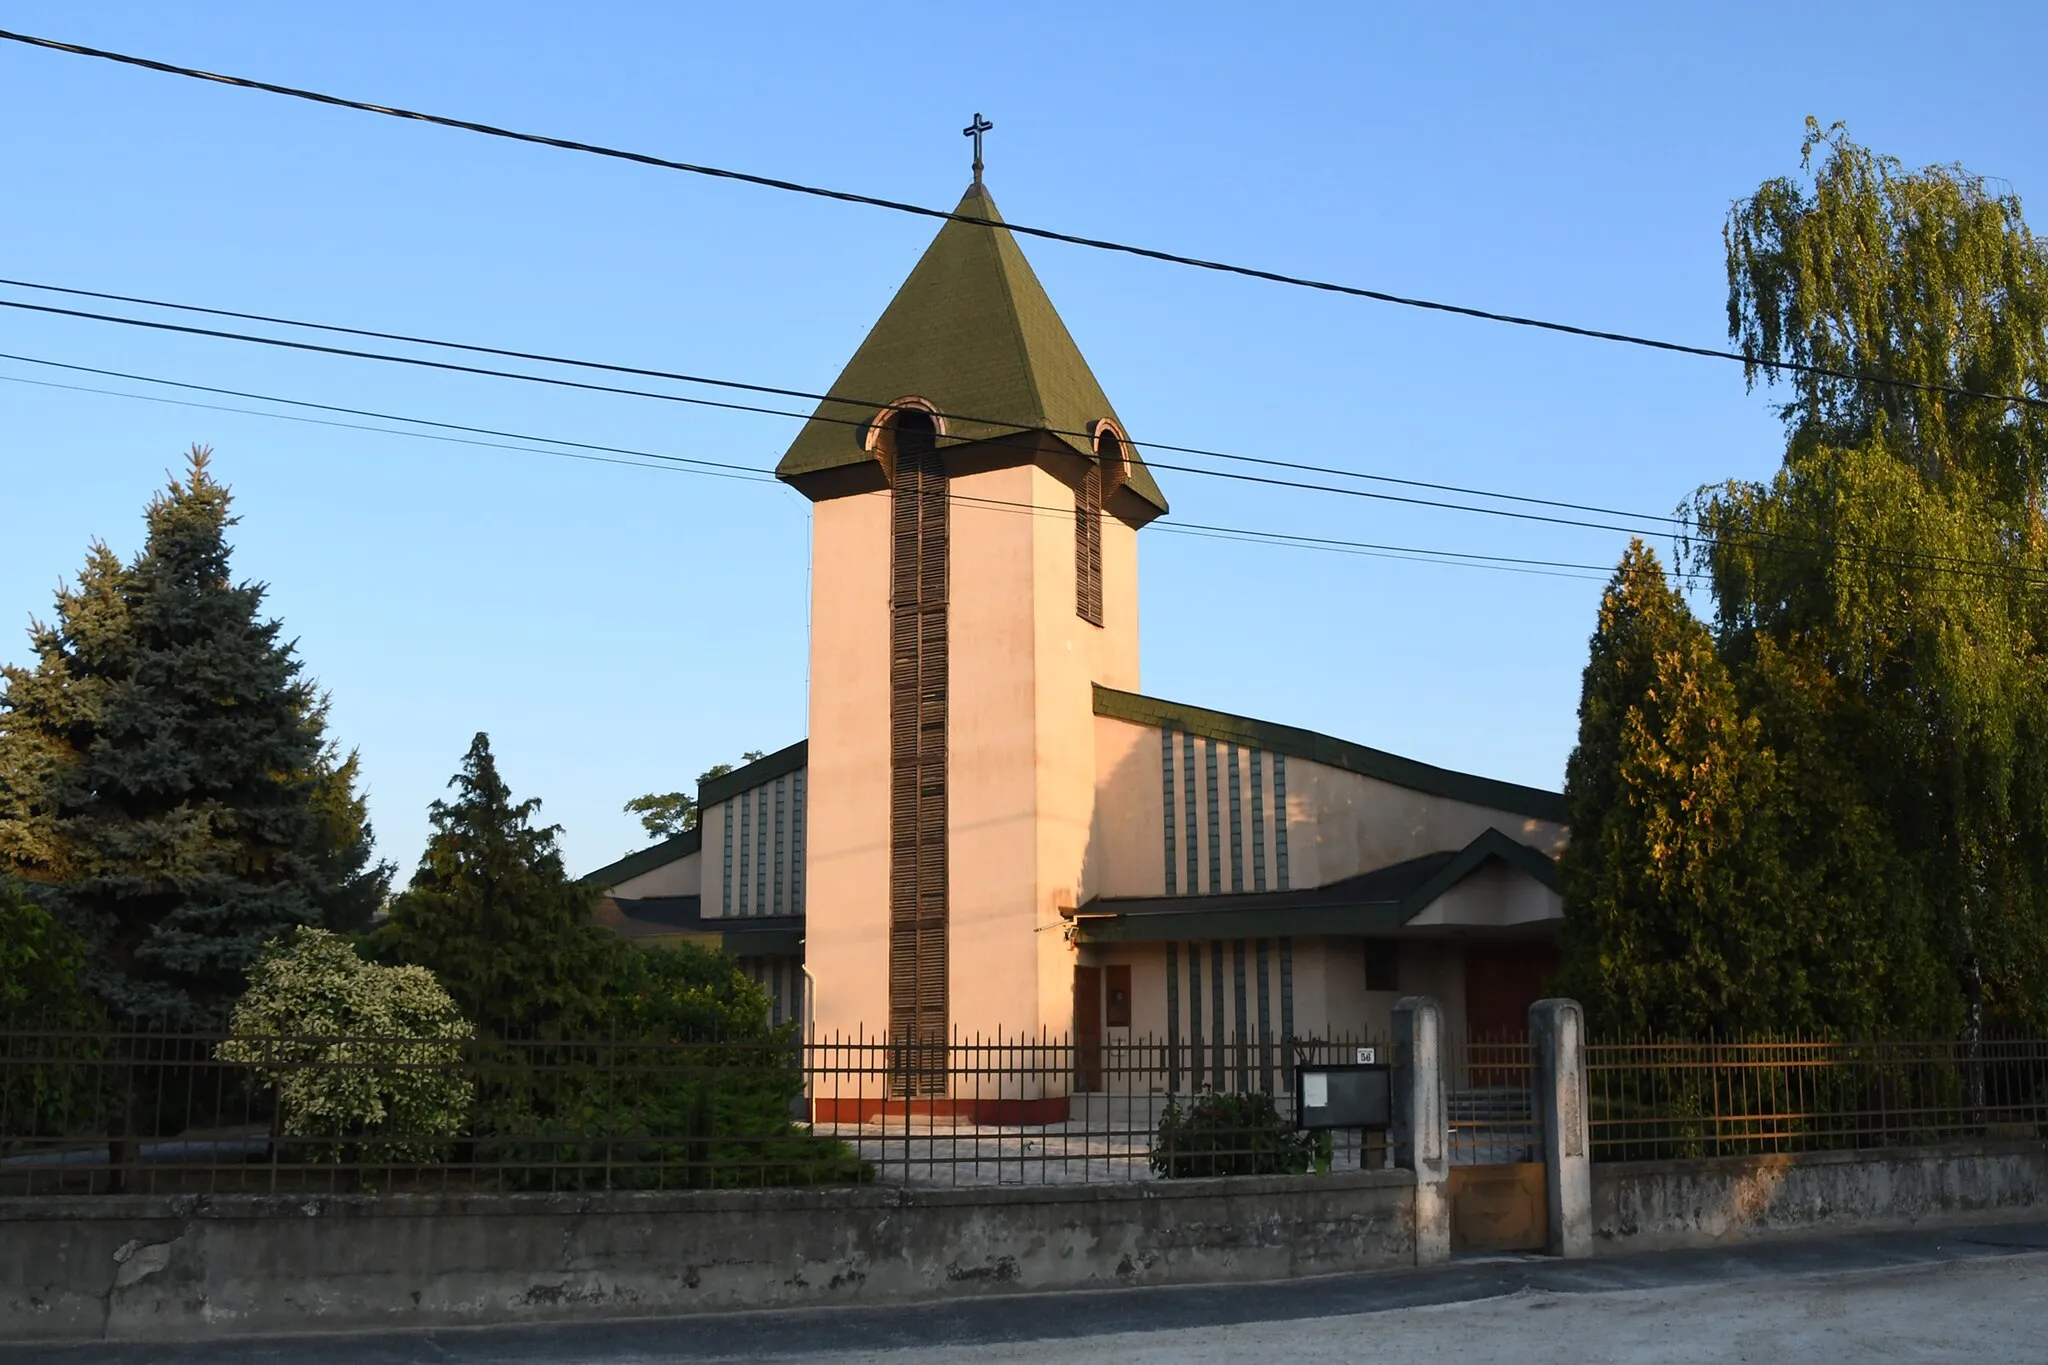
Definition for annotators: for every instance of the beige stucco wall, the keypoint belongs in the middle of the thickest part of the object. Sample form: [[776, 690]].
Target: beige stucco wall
[[991, 757], [683, 877], [847, 854], [1339, 824], [1494, 897], [711, 820], [1343, 823], [1128, 812], [1021, 761], [1436, 968]]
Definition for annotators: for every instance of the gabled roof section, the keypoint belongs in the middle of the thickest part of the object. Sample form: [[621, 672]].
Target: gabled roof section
[[1512, 797], [647, 859], [1375, 902], [658, 921], [972, 332], [778, 764]]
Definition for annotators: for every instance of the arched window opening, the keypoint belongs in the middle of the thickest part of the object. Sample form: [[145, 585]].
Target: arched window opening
[[910, 429], [1110, 455]]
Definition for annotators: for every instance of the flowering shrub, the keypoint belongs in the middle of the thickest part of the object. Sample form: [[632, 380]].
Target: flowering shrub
[[361, 1056]]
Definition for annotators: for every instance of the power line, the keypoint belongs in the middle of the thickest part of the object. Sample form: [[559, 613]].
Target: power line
[[607, 454], [1799, 543], [1046, 234], [646, 459], [558, 382], [876, 404]]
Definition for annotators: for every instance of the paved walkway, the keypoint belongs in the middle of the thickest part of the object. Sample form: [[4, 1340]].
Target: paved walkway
[[1973, 1294]]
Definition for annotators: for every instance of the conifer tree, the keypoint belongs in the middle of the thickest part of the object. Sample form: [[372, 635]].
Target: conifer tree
[[1669, 925], [161, 769], [493, 913]]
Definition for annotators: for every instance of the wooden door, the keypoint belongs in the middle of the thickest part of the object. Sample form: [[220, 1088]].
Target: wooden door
[[1501, 982], [1087, 1028]]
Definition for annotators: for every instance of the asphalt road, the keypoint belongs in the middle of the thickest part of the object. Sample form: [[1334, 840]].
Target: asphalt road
[[1970, 1294]]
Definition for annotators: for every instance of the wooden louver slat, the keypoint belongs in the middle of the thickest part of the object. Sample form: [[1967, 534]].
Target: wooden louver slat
[[918, 1006], [1088, 546]]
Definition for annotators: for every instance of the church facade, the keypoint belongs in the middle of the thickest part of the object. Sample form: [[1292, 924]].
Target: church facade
[[992, 830]]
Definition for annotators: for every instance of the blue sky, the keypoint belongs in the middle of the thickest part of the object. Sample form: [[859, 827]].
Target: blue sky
[[618, 630]]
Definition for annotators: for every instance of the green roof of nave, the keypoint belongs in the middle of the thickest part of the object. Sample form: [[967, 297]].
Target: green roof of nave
[[972, 332]]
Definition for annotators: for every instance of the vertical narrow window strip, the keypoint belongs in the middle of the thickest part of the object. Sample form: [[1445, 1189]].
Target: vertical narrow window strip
[[1265, 1021], [1088, 545], [725, 828], [1244, 1033], [761, 850], [1287, 992], [1215, 817], [1216, 1076], [1236, 826], [1195, 1016], [1192, 853], [775, 994], [781, 836], [1166, 807], [1280, 819], [1258, 821], [746, 858], [1172, 1011], [796, 842]]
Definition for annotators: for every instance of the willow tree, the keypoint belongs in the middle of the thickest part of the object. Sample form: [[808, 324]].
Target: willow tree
[[1884, 597]]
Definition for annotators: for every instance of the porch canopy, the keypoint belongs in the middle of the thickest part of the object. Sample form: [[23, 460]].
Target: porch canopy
[[1493, 883]]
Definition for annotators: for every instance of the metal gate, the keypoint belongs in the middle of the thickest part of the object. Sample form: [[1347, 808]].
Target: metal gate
[[1498, 1199]]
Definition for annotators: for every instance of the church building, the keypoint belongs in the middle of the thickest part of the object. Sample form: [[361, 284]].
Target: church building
[[992, 829]]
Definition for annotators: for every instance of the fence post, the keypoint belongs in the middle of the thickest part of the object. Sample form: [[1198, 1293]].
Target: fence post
[[1557, 1032], [1421, 1134]]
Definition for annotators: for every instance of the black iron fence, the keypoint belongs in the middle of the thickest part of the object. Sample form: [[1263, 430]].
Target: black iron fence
[[1488, 1101], [190, 1112], [175, 1113], [1666, 1100]]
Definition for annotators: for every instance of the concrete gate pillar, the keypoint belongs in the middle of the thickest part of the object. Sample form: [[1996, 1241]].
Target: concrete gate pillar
[[1557, 1037], [1421, 1134]]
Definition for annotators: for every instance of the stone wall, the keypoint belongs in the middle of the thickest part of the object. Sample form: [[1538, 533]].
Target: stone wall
[[127, 1267], [1651, 1205]]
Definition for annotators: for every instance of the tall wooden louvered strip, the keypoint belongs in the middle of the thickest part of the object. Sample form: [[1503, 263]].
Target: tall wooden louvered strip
[[1088, 546], [918, 1006]]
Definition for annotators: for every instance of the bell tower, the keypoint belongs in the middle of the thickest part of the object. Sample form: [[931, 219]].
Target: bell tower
[[975, 513]]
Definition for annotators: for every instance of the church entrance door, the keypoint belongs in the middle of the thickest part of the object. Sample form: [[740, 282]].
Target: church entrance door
[[1087, 1028]]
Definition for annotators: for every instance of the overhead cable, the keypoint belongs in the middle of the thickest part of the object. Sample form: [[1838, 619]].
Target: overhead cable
[[863, 402], [646, 459], [1046, 234], [1799, 543]]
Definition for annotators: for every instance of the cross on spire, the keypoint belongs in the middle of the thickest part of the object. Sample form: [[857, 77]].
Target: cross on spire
[[975, 130]]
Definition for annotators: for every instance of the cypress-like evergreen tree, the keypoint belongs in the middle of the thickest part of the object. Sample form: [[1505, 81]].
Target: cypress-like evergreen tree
[[1670, 926], [493, 913], [162, 771]]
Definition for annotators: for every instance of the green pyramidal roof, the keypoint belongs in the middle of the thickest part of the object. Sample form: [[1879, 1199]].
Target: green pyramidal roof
[[973, 333]]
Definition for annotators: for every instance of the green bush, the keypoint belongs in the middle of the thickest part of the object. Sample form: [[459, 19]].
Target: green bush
[[366, 1061], [53, 1080], [1233, 1135], [687, 1086]]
